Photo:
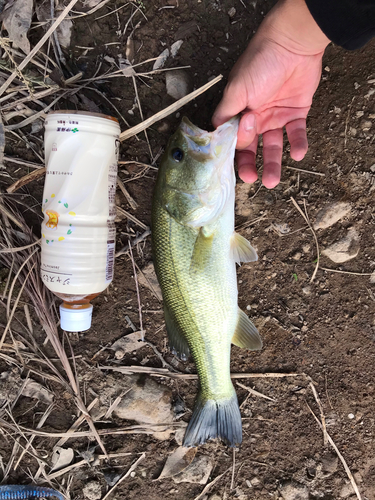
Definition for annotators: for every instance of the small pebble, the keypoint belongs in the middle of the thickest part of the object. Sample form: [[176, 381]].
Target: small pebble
[[248, 307], [351, 416], [297, 256]]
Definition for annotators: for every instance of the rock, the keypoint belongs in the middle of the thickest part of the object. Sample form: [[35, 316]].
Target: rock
[[294, 491], [297, 256], [197, 472], [148, 403], [231, 12], [346, 490], [178, 83], [175, 47], [92, 490], [345, 249], [307, 290], [10, 384], [179, 435], [148, 279], [331, 213]]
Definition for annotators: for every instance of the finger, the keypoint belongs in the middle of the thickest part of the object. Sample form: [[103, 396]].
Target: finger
[[246, 131], [272, 154], [232, 103], [297, 137], [246, 162]]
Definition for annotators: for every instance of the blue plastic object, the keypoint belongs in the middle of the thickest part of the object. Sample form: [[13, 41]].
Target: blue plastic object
[[20, 492]]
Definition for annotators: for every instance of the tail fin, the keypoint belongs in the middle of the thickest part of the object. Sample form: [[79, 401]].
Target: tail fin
[[215, 419]]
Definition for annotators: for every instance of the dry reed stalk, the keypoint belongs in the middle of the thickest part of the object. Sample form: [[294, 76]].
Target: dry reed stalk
[[38, 46], [27, 265]]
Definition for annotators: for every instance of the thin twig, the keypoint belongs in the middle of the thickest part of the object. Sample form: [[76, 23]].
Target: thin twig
[[128, 196], [345, 272], [208, 486], [138, 295], [254, 392], [132, 218], [347, 470], [305, 216], [133, 467], [320, 174], [322, 417], [135, 241]]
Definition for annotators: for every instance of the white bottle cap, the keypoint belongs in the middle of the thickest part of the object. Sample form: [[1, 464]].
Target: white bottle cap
[[75, 320]]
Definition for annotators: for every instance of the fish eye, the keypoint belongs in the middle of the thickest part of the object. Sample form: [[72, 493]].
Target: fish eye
[[177, 154]]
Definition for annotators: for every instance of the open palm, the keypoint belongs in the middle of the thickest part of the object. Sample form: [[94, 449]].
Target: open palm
[[272, 86]]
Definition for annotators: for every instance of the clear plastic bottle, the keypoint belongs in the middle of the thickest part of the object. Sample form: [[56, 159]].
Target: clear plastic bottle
[[78, 231]]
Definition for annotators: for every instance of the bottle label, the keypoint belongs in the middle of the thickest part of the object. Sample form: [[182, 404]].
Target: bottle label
[[110, 261], [78, 232]]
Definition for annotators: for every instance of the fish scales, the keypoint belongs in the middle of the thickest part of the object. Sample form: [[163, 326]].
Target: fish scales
[[195, 252]]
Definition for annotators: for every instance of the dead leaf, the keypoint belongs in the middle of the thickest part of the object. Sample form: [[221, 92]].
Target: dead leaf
[[178, 461], [62, 457], [17, 20], [128, 343], [64, 32], [161, 60], [35, 390], [147, 277], [126, 67]]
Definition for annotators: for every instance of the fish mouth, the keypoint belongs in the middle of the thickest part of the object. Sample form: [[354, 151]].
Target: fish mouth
[[217, 148], [218, 145]]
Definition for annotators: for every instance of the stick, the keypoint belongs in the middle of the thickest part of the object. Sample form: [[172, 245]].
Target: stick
[[167, 111], [127, 195], [37, 47], [132, 218], [347, 470], [305, 216], [133, 467], [209, 486], [322, 417], [137, 290], [307, 171], [32, 176], [162, 372], [22, 162], [345, 272], [138, 239], [256, 393]]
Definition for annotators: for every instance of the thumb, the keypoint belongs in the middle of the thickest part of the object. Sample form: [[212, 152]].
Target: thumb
[[230, 105]]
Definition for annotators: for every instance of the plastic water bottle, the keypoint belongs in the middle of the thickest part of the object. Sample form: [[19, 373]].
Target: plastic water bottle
[[78, 231]]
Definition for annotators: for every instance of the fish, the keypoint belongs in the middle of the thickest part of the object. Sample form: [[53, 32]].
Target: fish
[[195, 251]]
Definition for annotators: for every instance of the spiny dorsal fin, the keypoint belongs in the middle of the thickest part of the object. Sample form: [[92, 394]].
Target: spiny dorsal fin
[[241, 250], [177, 343], [246, 334], [202, 251]]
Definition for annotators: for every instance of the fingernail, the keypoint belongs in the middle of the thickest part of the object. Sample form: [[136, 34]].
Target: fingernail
[[249, 122]]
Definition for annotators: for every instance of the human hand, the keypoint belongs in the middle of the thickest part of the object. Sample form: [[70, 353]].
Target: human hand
[[272, 84]]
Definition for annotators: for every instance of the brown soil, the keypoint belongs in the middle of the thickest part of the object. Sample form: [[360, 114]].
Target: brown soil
[[325, 329]]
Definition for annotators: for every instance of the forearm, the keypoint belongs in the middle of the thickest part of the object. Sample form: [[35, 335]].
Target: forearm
[[348, 23]]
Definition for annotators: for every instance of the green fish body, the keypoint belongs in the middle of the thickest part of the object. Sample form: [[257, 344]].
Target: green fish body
[[195, 252]]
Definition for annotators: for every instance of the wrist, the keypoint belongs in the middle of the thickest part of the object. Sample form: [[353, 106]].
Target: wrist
[[291, 25]]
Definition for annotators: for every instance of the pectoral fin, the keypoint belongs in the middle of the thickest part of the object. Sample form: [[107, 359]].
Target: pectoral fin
[[241, 250], [202, 251], [177, 343], [246, 334]]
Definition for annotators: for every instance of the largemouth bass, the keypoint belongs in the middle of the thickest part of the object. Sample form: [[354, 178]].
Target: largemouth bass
[[195, 249]]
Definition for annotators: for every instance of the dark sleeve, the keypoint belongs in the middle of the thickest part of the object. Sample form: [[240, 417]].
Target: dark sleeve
[[349, 23]]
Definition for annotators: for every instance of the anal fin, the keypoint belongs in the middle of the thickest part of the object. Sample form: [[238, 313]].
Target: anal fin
[[246, 334], [241, 250], [177, 342]]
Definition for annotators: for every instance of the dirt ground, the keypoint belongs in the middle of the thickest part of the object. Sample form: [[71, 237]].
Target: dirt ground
[[323, 329]]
